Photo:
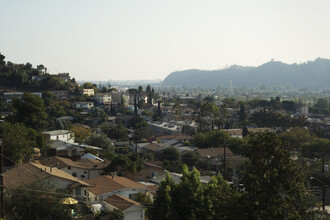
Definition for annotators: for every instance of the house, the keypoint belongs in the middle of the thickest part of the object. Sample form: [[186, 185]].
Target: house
[[104, 186], [103, 98], [30, 173], [174, 137], [61, 135], [164, 128], [60, 94], [132, 210], [82, 169], [64, 76], [9, 96], [153, 147], [84, 105], [214, 155], [89, 92], [62, 149], [150, 171]]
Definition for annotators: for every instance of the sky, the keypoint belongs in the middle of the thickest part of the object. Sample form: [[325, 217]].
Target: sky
[[148, 39]]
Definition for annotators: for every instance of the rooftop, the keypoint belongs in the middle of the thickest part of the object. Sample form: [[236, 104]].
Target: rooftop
[[213, 152], [105, 184], [29, 173], [57, 132], [120, 202]]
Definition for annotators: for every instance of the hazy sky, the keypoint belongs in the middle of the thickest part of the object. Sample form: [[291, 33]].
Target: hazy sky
[[148, 39]]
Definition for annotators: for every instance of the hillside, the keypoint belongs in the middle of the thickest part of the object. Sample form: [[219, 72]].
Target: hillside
[[312, 74]]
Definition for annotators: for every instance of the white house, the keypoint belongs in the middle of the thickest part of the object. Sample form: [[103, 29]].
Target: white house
[[84, 105], [62, 135], [30, 173], [89, 92], [105, 186], [82, 169], [132, 210], [104, 98]]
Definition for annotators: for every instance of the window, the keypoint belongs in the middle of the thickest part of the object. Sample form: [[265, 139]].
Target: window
[[82, 176], [154, 174], [57, 137], [95, 198], [74, 174], [85, 192], [69, 168], [85, 172]]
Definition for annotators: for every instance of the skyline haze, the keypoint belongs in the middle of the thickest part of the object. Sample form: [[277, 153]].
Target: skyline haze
[[136, 40]]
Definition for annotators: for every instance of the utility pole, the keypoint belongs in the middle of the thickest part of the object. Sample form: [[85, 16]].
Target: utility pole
[[224, 161], [323, 180], [1, 182]]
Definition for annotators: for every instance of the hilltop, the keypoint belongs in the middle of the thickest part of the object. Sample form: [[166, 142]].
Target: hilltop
[[312, 74]]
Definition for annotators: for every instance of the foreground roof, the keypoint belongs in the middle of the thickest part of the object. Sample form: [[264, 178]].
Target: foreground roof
[[30, 173]]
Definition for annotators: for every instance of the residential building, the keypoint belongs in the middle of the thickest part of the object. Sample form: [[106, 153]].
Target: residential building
[[150, 171], [105, 186], [30, 173], [214, 155], [89, 92], [103, 98], [60, 94], [164, 128], [132, 210], [64, 76], [82, 169], [9, 96], [152, 147], [68, 149], [61, 135], [84, 105]]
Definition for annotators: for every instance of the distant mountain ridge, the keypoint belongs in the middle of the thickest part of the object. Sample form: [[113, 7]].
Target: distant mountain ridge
[[312, 74]]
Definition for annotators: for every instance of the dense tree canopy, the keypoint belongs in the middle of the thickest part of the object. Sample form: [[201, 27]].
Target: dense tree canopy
[[218, 138], [99, 140], [19, 141], [274, 183], [30, 111], [190, 199]]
